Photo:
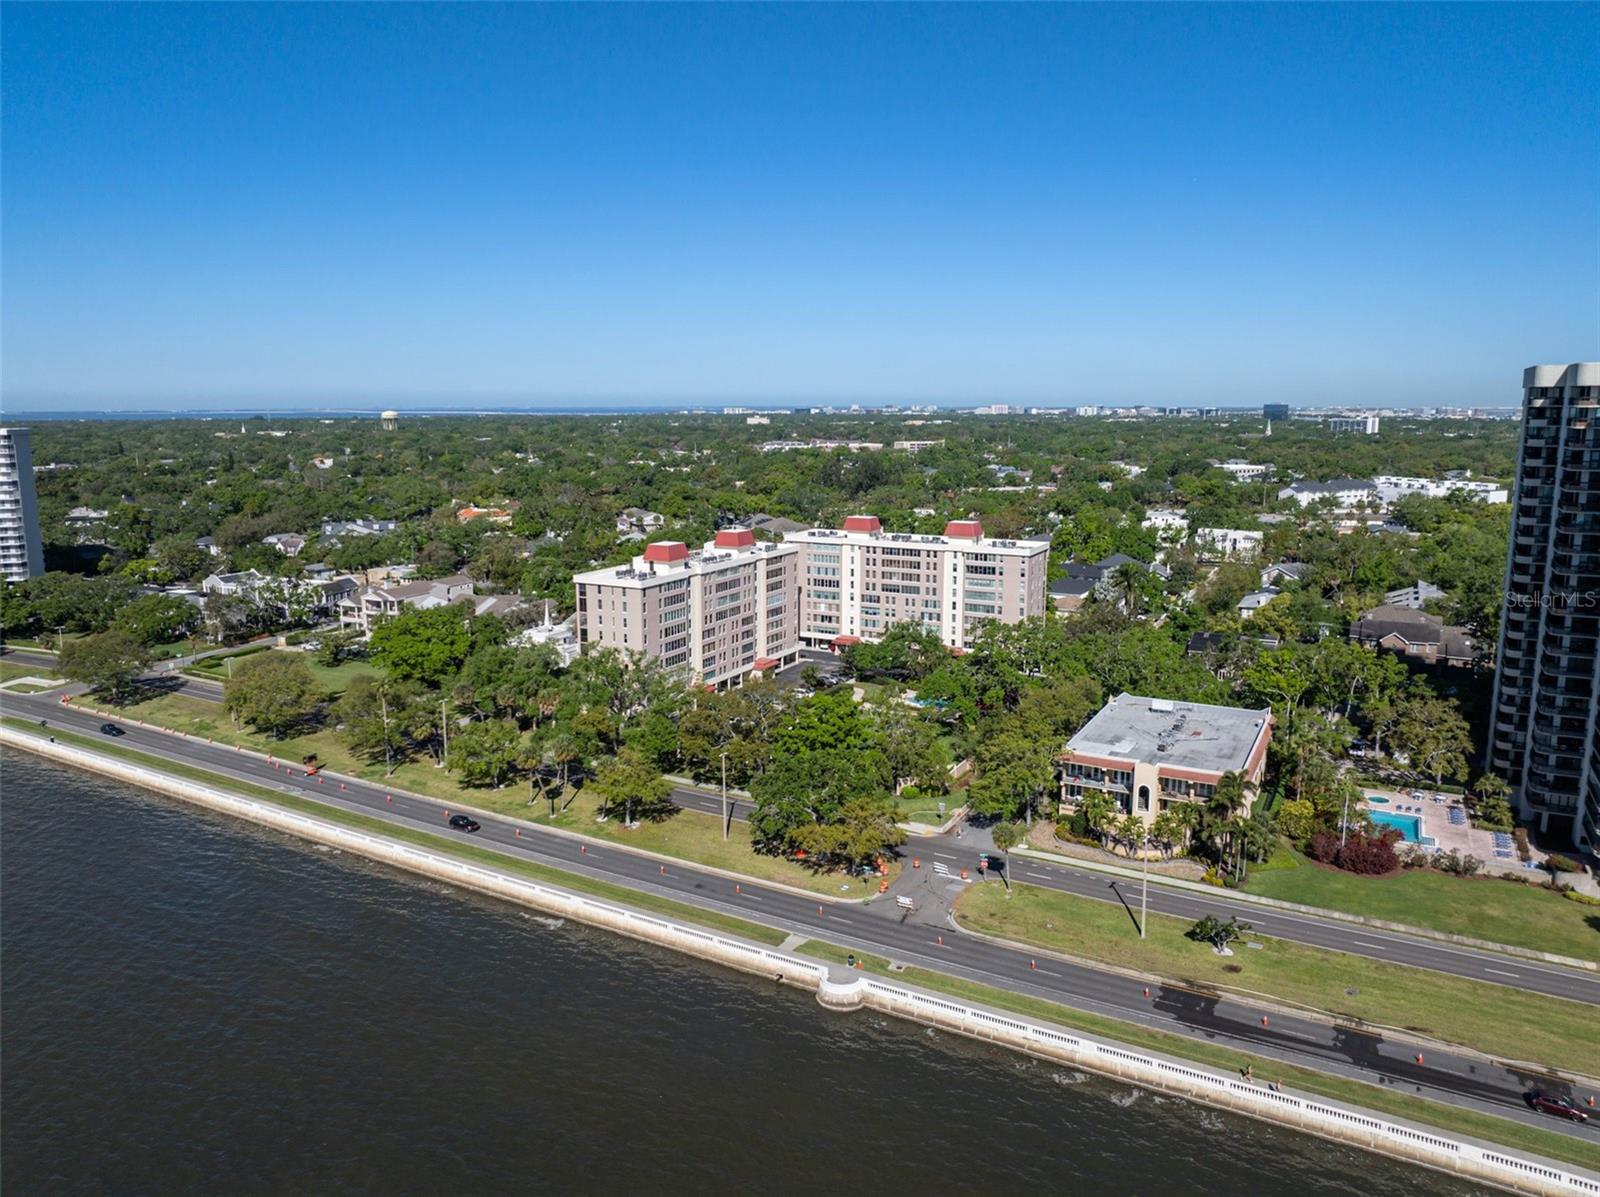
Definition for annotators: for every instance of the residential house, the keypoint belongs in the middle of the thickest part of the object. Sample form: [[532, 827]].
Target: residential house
[[242, 582], [1255, 600], [1284, 571], [640, 521], [1168, 525], [358, 611], [332, 529], [1081, 580], [287, 543], [1229, 544], [1417, 636]]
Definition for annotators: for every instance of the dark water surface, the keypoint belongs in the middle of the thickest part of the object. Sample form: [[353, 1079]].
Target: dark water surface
[[192, 1005]]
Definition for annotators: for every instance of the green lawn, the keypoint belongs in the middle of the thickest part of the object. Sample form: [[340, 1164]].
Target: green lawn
[[688, 835], [1490, 1018], [332, 678], [1482, 907], [511, 864], [925, 809], [9, 670], [1452, 1119]]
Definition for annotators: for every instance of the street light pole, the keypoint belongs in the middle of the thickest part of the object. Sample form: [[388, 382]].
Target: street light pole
[[1144, 893], [444, 735], [724, 795]]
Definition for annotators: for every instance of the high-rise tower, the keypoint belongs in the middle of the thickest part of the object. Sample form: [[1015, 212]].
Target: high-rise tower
[[1545, 731], [21, 553]]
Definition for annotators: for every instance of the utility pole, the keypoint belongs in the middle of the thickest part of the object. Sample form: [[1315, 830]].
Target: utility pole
[[59, 629], [724, 795], [444, 734]]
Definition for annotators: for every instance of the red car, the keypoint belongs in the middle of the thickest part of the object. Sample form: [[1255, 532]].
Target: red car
[[1561, 1107]]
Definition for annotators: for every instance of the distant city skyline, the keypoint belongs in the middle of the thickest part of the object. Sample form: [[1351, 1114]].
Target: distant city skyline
[[609, 207]]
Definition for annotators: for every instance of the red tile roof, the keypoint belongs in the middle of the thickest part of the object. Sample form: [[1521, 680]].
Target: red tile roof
[[666, 550]]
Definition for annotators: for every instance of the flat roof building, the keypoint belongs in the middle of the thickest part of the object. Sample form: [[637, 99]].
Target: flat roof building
[[718, 613], [1149, 753], [860, 580]]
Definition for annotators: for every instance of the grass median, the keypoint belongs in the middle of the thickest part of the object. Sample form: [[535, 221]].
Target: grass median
[[1494, 1019], [1451, 1119], [516, 866], [689, 836]]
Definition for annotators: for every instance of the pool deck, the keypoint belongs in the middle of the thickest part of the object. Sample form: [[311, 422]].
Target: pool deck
[[1434, 811]]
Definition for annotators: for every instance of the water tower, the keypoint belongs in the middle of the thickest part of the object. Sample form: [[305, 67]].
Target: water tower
[[390, 420]]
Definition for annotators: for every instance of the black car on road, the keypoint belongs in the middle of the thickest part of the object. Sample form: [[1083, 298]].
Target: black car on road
[[462, 823], [111, 729], [1561, 1107]]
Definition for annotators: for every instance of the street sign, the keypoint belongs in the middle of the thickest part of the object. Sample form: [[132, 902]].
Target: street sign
[[905, 903]]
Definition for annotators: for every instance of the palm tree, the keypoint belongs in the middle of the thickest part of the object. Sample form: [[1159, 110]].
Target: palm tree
[[1131, 831], [1125, 584], [1099, 812]]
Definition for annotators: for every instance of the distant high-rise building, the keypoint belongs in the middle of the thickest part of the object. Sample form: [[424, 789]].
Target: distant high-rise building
[[1365, 425], [1275, 411], [21, 552], [1545, 731]]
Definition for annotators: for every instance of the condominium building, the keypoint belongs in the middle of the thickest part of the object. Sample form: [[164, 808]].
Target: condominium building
[[1392, 488], [1150, 753], [1545, 722], [860, 580], [719, 613], [21, 550]]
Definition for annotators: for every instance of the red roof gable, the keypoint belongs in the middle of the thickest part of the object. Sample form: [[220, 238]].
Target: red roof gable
[[735, 538], [862, 523], [964, 529]]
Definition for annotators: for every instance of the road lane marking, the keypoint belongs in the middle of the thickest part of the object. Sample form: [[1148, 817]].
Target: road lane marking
[[1500, 972], [1376, 947]]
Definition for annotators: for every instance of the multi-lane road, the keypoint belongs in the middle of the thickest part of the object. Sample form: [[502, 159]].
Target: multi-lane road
[[1338, 935], [1457, 1077]]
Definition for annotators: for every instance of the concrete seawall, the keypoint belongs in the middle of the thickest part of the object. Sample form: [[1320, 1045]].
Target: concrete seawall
[[843, 990]]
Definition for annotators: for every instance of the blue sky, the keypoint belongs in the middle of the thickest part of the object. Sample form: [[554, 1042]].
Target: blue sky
[[301, 205]]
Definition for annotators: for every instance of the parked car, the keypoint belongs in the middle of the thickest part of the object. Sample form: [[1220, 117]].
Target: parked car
[[462, 823], [1561, 1107], [111, 729]]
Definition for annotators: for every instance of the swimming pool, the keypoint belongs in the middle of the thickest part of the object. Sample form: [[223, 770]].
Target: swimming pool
[[1409, 826], [1377, 800]]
